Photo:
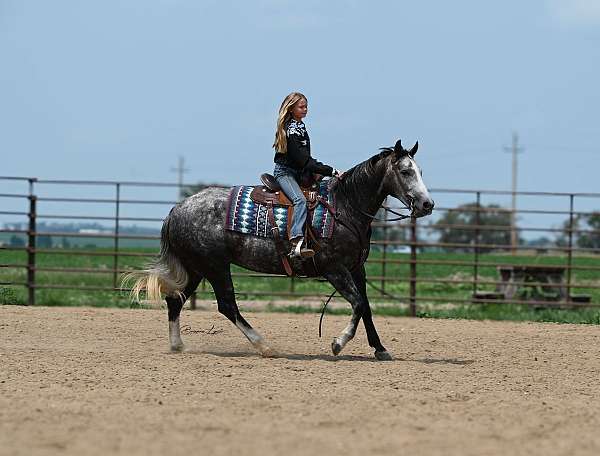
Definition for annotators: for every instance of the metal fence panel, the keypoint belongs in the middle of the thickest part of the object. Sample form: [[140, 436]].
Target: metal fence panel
[[406, 253]]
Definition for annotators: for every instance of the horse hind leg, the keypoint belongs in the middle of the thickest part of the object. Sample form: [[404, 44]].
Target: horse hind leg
[[174, 305], [224, 292]]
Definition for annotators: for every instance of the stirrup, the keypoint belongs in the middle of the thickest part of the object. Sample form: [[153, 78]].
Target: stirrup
[[299, 252]]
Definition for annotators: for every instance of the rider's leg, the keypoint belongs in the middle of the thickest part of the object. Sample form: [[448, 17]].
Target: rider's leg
[[292, 190]]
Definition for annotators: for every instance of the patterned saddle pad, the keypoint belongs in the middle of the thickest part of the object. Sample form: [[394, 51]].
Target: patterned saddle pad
[[245, 215]]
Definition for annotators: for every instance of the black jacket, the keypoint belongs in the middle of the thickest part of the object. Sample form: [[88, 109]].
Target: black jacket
[[298, 151]]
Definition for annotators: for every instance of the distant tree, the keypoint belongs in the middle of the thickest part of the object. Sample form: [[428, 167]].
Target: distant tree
[[542, 241], [393, 232], [540, 244], [450, 229], [562, 239], [590, 238], [44, 242], [65, 243], [16, 241]]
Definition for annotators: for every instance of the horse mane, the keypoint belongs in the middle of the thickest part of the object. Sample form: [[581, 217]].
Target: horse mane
[[385, 149], [358, 176]]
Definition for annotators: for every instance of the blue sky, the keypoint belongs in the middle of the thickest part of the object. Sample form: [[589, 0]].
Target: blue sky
[[120, 89]]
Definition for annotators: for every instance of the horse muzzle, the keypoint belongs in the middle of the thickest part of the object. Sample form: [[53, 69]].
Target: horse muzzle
[[421, 209]]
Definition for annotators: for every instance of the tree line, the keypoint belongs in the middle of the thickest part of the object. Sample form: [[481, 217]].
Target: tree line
[[490, 224]]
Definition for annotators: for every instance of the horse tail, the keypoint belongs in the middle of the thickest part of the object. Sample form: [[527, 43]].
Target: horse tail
[[165, 275]]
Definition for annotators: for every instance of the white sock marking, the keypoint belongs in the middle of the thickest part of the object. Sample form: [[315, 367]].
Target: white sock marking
[[346, 336], [251, 334], [175, 334]]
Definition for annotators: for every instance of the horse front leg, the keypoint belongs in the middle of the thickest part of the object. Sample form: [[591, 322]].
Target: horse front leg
[[344, 283], [360, 280]]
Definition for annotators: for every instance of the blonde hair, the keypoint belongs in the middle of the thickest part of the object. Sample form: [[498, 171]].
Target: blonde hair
[[280, 143]]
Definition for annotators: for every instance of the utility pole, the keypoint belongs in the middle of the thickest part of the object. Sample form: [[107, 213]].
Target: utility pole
[[514, 150], [180, 170]]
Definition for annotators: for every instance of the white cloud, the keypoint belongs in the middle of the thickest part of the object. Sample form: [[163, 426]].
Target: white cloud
[[575, 12]]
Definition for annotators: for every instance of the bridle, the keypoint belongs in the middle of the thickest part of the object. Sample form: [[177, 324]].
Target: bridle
[[409, 206], [400, 216]]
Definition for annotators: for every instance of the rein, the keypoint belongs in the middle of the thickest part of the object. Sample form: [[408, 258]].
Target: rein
[[323, 310], [374, 216], [352, 228], [401, 216], [368, 282]]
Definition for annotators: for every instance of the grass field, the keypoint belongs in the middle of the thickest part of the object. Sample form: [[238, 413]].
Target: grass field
[[396, 284]]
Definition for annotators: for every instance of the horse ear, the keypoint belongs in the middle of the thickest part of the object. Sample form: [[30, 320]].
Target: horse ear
[[398, 147], [414, 149]]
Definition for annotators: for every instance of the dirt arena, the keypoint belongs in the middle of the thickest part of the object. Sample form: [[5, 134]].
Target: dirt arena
[[77, 381]]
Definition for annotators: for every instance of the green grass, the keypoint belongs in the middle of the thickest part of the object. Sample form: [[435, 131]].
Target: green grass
[[398, 286], [506, 312]]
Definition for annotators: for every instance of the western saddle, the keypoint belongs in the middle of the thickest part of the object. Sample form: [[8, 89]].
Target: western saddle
[[270, 194]]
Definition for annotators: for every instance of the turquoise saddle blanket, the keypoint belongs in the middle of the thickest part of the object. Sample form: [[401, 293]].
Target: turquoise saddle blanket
[[245, 215]]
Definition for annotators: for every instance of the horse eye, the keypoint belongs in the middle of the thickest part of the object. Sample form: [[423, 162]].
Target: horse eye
[[406, 172]]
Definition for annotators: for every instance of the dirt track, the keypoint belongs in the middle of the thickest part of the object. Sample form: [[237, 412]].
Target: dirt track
[[95, 381]]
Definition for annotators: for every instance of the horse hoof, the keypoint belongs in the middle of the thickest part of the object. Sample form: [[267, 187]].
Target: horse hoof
[[268, 353], [336, 348], [383, 356], [177, 348]]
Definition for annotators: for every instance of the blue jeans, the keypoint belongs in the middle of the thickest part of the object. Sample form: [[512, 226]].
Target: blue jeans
[[286, 178]]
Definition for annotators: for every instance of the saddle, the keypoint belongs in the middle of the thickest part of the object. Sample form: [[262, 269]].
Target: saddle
[[270, 194]]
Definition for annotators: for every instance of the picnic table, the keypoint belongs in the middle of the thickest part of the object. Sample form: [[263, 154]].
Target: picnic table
[[526, 281], [535, 283]]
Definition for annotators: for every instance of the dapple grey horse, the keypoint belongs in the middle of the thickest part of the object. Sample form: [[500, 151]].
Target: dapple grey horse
[[196, 245]]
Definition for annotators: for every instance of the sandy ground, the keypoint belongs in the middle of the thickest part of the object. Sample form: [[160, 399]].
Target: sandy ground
[[78, 381]]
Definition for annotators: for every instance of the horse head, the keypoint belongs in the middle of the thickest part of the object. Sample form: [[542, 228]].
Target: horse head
[[403, 179]]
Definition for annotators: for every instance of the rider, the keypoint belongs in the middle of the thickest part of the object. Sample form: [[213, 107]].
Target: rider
[[292, 158]]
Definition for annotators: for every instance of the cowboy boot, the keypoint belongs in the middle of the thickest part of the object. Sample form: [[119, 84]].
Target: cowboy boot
[[298, 251]]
